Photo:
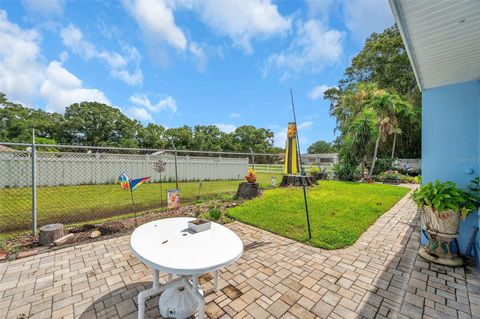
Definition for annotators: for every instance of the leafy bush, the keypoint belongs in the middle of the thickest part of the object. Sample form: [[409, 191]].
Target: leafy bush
[[444, 196], [313, 171], [418, 179], [382, 165], [214, 214], [345, 172], [474, 190], [397, 175]]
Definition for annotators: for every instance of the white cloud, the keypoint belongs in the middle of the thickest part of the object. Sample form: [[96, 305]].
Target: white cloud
[[364, 17], [199, 55], [139, 113], [317, 91], [73, 39], [155, 18], [320, 9], [243, 21], [235, 115], [280, 138], [61, 89], [25, 78], [227, 128], [313, 47], [305, 125], [44, 7], [168, 103]]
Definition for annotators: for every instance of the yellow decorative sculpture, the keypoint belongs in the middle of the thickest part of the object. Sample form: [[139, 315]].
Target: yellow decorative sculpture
[[291, 156]]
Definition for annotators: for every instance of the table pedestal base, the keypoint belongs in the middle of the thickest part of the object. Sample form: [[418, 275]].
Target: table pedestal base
[[191, 296], [177, 302]]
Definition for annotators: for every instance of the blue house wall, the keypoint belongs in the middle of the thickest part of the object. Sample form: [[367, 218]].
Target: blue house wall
[[451, 140]]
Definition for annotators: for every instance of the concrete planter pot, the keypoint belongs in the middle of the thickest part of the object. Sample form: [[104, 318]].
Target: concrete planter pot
[[442, 228]]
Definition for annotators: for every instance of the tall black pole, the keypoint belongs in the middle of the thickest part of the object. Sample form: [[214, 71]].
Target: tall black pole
[[176, 171], [133, 204], [302, 171]]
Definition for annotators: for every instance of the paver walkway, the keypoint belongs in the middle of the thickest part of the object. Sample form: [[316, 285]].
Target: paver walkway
[[380, 276]]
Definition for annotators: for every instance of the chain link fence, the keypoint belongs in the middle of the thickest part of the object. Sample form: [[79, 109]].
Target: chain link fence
[[80, 184]]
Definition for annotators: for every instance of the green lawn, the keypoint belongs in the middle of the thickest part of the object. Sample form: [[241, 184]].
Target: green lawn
[[74, 204], [339, 212]]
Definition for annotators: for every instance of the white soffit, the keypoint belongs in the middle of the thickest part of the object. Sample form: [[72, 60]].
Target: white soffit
[[442, 39]]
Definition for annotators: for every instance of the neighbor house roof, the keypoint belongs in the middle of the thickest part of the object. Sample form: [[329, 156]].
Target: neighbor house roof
[[442, 39]]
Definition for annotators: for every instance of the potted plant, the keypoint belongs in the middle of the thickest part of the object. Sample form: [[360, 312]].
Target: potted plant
[[251, 176], [442, 207]]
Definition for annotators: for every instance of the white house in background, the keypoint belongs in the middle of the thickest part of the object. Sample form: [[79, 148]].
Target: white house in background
[[322, 159]]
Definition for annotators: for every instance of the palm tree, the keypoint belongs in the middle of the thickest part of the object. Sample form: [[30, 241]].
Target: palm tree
[[363, 131], [396, 131], [388, 107]]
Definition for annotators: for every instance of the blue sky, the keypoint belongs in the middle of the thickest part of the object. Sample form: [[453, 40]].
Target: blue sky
[[176, 62]]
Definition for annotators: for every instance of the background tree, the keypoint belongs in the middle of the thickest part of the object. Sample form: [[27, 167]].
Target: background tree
[[93, 123], [98, 124], [362, 132], [320, 147], [17, 122], [249, 137], [382, 64], [152, 136], [388, 108], [182, 137], [207, 138]]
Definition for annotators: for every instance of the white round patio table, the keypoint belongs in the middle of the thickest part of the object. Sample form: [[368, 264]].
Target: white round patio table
[[167, 245]]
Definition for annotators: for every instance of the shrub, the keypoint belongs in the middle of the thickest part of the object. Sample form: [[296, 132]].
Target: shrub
[[345, 172], [382, 165], [214, 213]]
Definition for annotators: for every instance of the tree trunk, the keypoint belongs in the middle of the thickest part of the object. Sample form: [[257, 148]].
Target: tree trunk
[[394, 142], [362, 168], [50, 233], [374, 157]]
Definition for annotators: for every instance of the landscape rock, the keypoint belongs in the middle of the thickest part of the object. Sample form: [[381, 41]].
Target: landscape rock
[[95, 234], [63, 240], [3, 255], [27, 253]]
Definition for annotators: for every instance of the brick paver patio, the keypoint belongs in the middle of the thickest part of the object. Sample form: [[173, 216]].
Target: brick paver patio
[[380, 276]]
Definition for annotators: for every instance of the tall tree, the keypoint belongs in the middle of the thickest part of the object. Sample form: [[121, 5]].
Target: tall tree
[[384, 63], [362, 132], [152, 136], [207, 138], [388, 108], [17, 122], [320, 147], [247, 137], [93, 123], [182, 137]]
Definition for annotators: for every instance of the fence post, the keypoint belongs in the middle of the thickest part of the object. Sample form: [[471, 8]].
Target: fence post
[[176, 169], [34, 186], [253, 159]]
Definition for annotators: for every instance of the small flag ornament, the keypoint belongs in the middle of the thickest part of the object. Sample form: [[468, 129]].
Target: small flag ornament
[[131, 185], [124, 181], [134, 183]]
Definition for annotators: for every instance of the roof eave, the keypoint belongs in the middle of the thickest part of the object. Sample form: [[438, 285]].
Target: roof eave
[[400, 20]]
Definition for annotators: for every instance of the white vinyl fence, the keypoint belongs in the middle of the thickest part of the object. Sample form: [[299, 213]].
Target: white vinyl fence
[[64, 168]]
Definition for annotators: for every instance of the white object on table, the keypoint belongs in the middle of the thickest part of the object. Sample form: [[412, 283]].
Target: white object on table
[[167, 245]]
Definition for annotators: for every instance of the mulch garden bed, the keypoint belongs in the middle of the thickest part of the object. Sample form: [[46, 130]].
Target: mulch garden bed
[[27, 245]]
